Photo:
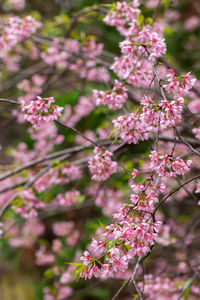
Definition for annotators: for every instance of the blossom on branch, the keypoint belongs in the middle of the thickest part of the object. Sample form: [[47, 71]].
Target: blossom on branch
[[101, 166], [165, 165], [41, 111], [179, 85], [114, 99]]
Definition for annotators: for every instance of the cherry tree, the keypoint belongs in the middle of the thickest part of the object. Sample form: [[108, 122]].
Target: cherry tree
[[104, 184]]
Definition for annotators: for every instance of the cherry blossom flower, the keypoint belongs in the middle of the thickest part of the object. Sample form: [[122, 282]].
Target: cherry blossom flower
[[196, 132], [114, 99], [179, 85], [30, 204], [68, 198], [59, 53], [62, 228], [165, 165], [123, 14], [18, 4], [148, 42], [44, 257], [131, 128], [41, 111], [101, 166], [137, 126]]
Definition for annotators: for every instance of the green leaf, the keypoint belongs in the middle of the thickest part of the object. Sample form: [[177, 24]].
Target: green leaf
[[166, 3], [140, 19], [187, 287], [139, 179], [102, 226], [168, 31], [110, 244], [177, 284], [17, 202], [149, 20], [111, 133], [129, 165], [77, 272], [49, 273], [81, 199], [115, 139], [74, 264]]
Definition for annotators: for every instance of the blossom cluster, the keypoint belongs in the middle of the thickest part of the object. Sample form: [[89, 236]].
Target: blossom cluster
[[45, 137], [59, 53], [143, 44], [137, 126], [83, 108], [114, 99], [165, 165], [133, 234], [16, 31], [101, 166], [148, 42], [163, 288], [17, 4], [110, 200], [179, 85], [66, 54], [122, 15], [29, 204], [41, 111], [158, 93]]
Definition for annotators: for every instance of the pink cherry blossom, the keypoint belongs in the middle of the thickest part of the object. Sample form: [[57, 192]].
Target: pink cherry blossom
[[196, 132], [41, 111], [123, 14], [30, 204], [114, 99], [68, 198], [18, 4], [179, 85], [44, 256], [165, 165], [62, 228], [101, 166]]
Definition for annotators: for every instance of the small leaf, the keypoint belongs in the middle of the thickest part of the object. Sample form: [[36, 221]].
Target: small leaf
[[129, 165], [17, 202], [187, 287], [149, 20], [166, 3], [140, 19], [115, 139], [78, 271], [74, 264], [102, 226], [49, 273], [110, 244], [111, 133], [139, 179], [168, 31]]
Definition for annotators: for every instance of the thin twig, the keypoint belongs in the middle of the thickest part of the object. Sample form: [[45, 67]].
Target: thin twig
[[173, 192], [131, 278], [9, 101], [187, 286], [77, 132], [52, 156]]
